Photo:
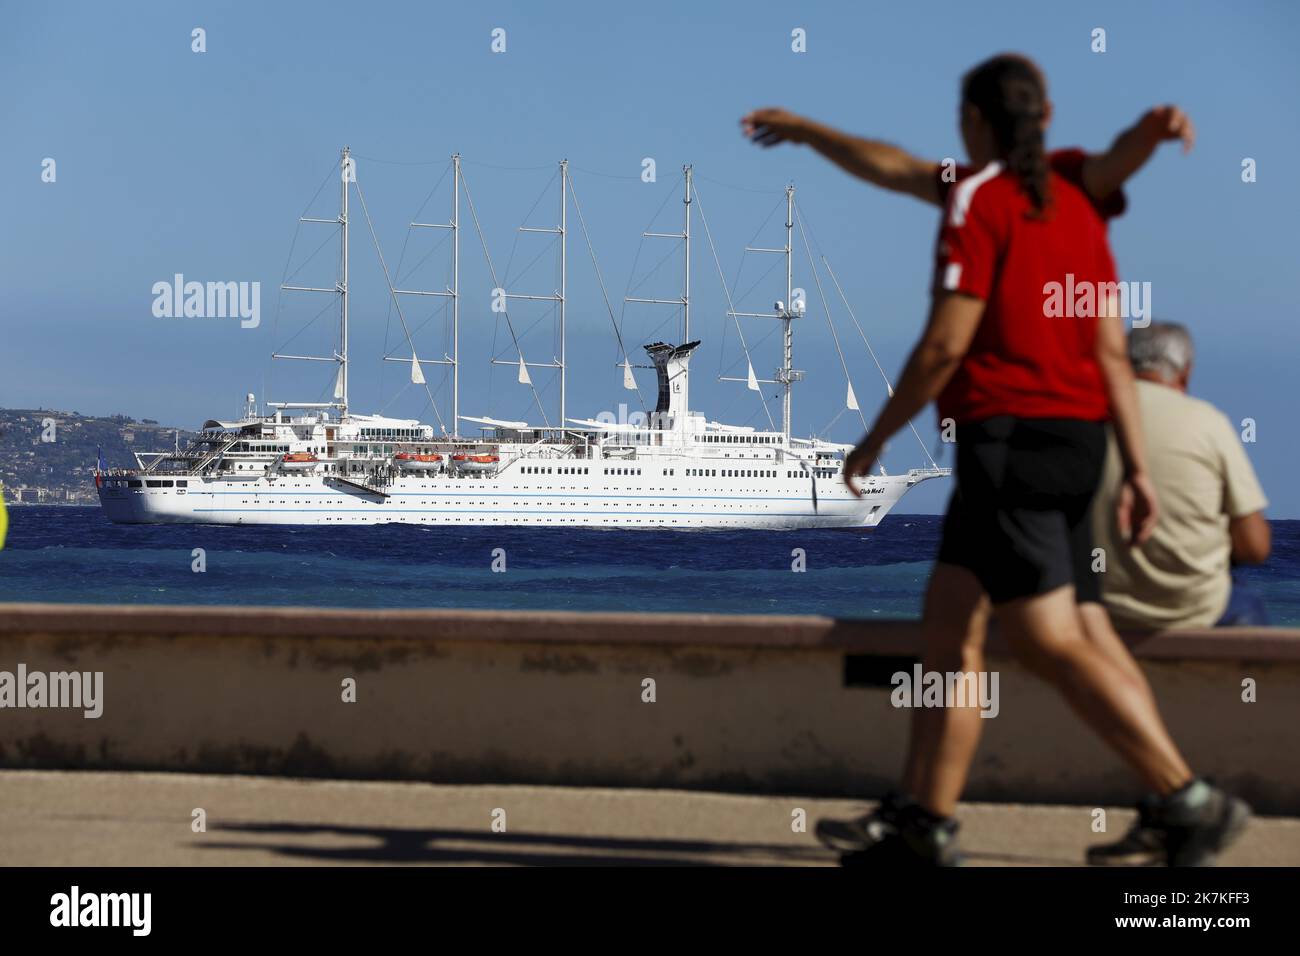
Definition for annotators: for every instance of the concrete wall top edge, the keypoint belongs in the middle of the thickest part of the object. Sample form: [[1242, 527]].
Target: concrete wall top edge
[[875, 636]]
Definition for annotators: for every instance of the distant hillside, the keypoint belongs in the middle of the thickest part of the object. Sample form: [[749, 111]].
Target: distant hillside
[[60, 470]]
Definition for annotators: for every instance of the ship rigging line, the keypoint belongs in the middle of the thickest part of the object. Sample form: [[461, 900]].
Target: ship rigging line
[[514, 246], [633, 284], [888, 385], [735, 284], [505, 311], [284, 277], [393, 293], [549, 316], [743, 189], [388, 318], [821, 294], [731, 308], [600, 279]]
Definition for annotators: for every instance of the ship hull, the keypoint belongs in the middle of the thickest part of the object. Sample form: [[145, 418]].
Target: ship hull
[[315, 500]]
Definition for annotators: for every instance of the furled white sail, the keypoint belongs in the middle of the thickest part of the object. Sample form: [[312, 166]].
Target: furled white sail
[[417, 373], [523, 372]]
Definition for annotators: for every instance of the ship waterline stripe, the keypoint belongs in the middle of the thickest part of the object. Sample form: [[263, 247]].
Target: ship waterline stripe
[[462, 511], [521, 494]]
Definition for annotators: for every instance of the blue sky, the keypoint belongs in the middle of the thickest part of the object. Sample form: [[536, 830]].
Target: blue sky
[[172, 161]]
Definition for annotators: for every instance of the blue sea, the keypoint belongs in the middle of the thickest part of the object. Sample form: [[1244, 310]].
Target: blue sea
[[69, 554]]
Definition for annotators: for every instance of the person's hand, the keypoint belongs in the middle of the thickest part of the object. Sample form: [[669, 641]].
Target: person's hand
[[1136, 510], [770, 126], [857, 464], [1169, 122]]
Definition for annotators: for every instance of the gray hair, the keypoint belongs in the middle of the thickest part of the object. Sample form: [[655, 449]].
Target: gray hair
[[1161, 347]]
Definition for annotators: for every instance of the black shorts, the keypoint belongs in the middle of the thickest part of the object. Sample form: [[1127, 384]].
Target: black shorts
[[1019, 517]]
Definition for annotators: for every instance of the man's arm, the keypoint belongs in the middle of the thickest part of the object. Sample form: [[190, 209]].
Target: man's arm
[[1104, 173], [878, 163], [954, 318], [1252, 539]]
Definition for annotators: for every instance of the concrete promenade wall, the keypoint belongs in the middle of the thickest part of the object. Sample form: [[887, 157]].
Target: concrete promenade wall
[[754, 703]]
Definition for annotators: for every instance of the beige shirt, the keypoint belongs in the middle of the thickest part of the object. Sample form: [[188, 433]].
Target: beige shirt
[[1202, 477]]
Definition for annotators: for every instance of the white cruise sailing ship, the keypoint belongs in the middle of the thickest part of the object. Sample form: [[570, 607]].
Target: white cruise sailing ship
[[322, 463]]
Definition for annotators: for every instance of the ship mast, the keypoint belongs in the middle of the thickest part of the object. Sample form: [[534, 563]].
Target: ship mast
[[786, 310], [347, 174], [341, 390], [564, 273], [684, 302], [451, 292], [787, 375], [687, 172], [455, 296]]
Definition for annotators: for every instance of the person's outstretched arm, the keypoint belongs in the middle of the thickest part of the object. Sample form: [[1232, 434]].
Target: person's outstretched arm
[[1135, 508], [1103, 173], [878, 163], [954, 317]]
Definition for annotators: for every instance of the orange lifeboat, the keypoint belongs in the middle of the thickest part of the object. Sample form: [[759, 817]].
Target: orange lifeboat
[[299, 461], [407, 461], [476, 464]]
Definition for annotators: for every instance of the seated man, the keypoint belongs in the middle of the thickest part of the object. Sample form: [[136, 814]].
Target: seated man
[[1210, 501]]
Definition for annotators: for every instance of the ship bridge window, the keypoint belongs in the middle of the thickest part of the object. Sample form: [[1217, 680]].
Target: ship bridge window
[[135, 483]]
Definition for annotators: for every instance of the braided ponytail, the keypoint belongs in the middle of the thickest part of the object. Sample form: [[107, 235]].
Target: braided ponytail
[[1011, 95]]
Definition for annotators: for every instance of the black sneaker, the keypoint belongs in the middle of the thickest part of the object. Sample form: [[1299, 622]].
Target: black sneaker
[[918, 840], [1199, 821], [851, 836], [1142, 845]]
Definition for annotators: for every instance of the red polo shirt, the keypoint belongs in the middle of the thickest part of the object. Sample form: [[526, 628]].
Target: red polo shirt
[[1033, 355]]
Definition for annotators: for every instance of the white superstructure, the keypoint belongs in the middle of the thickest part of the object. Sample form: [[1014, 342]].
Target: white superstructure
[[320, 463]]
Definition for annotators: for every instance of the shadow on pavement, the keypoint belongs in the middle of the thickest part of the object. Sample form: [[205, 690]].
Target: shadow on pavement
[[433, 846]]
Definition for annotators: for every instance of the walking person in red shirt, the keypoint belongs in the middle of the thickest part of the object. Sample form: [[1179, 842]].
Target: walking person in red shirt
[[1030, 393]]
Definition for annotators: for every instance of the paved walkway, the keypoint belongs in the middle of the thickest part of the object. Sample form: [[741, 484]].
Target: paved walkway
[[144, 819]]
